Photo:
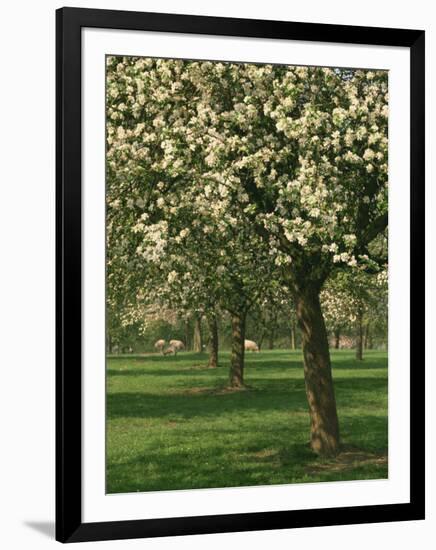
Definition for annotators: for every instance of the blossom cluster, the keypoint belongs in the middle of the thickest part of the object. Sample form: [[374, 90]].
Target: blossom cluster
[[222, 176]]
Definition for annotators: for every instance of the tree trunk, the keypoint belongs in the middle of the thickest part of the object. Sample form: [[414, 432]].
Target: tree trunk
[[272, 332], [324, 436], [366, 342], [238, 350], [213, 342], [359, 340], [337, 338], [198, 339], [271, 339], [293, 336], [187, 335], [262, 336]]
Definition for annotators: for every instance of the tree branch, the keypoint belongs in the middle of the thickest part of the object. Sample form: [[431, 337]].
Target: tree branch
[[375, 228]]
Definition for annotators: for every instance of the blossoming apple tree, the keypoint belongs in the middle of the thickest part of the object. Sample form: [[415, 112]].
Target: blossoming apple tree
[[296, 156], [355, 300]]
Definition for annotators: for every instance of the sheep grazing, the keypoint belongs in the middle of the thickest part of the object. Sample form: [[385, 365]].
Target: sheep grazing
[[178, 345], [170, 350], [249, 345], [159, 345]]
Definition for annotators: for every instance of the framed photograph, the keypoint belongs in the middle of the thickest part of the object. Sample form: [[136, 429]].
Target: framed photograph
[[240, 275]]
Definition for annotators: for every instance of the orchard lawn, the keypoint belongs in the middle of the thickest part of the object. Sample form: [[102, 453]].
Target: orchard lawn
[[172, 423]]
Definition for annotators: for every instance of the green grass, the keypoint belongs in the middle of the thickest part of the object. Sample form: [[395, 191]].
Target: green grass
[[171, 424]]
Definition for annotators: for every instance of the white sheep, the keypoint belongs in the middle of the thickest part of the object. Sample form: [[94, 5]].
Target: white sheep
[[249, 345], [159, 345], [178, 345]]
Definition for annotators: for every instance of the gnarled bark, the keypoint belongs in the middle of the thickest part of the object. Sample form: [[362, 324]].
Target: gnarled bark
[[324, 436]]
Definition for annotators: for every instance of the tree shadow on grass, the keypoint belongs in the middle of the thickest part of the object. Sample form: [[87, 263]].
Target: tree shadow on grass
[[368, 432], [224, 464], [205, 401], [198, 365], [158, 357], [262, 458], [359, 365], [198, 370], [265, 395], [349, 460], [186, 364], [361, 393], [364, 383]]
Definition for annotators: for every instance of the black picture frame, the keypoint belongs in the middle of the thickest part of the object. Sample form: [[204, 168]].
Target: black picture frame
[[69, 525]]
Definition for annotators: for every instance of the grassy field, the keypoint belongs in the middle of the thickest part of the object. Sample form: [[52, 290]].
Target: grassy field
[[172, 424]]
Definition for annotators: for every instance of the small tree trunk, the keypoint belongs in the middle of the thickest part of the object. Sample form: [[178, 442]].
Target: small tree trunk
[[213, 342], [261, 339], [359, 339], [324, 436], [366, 342], [238, 350], [293, 336], [187, 335], [337, 338], [198, 339], [272, 332], [271, 340]]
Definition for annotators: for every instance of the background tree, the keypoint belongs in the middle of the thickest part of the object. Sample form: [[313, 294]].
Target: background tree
[[351, 301]]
